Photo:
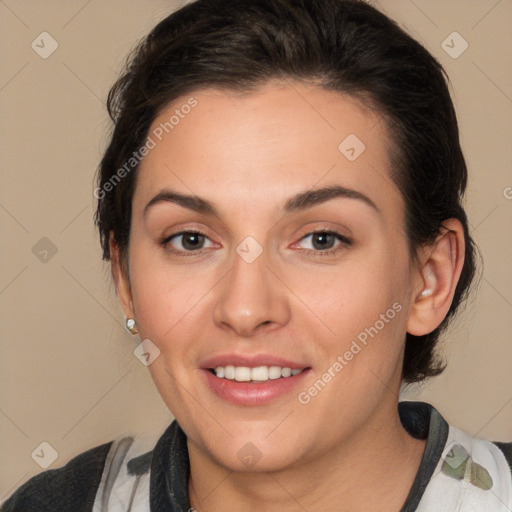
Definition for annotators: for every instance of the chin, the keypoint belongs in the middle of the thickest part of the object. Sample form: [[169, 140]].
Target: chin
[[251, 459]]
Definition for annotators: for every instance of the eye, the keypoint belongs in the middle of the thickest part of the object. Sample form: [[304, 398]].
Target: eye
[[192, 243], [323, 242]]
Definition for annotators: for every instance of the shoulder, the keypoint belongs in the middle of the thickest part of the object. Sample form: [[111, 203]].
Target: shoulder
[[71, 487], [493, 457], [471, 472], [457, 469], [113, 475]]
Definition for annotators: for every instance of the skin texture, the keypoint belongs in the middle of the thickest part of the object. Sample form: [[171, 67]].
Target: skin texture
[[247, 154]]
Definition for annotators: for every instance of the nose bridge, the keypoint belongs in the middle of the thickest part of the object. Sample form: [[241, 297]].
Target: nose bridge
[[251, 295]]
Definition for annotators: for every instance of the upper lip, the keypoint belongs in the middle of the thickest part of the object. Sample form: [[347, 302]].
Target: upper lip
[[251, 360]]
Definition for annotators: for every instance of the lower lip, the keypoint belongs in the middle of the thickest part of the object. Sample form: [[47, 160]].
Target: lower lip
[[247, 393]]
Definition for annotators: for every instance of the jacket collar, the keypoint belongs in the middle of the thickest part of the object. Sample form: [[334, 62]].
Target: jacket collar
[[170, 465]]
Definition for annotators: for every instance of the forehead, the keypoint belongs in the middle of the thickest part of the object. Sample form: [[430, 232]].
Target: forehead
[[261, 147]]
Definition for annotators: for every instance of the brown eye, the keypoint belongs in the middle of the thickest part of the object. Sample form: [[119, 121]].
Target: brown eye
[[323, 242], [185, 242]]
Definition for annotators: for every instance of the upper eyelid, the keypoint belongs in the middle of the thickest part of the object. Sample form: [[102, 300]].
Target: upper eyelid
[[339, 233], [322, 230], [182, 232], [343, 239]]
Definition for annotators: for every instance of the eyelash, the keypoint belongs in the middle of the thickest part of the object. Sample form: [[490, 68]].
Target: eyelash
[[345, 242], [166, 243]]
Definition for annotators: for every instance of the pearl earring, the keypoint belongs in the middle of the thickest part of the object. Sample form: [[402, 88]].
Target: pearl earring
[[131, 326], [426, 292]]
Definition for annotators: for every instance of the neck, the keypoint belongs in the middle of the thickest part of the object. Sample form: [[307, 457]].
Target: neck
[[372, 470]]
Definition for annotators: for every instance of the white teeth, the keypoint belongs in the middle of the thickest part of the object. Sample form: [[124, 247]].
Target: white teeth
[[229, 372], [286, 372], [256, 374], [274, 372], [242, 374], [259, 373]]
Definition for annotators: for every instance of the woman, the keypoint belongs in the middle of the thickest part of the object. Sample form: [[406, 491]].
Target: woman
[[280, 202]]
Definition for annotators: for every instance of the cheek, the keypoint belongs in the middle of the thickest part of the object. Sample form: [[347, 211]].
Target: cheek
[[159, 298], [361, 311], [172, 302], [351, 296]]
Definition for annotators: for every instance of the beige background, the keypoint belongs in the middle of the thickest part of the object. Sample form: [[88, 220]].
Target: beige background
[[68, 374]]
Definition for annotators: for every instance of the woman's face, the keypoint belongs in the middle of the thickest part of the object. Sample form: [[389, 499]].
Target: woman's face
[[256, 288]]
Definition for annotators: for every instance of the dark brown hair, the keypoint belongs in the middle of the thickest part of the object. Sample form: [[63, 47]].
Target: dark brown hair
[[340, 45]]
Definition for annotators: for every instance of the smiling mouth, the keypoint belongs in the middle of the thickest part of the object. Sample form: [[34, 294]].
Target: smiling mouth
[[254, 374]]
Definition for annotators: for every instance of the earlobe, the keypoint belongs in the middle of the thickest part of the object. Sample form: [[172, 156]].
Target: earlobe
[[121, 279], [437, 279]]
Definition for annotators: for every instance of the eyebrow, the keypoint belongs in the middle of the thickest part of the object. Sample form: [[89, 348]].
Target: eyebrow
[[299, 202]]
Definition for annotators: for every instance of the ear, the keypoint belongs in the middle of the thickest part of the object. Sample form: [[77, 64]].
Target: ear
[[436, 279], [121, 279]]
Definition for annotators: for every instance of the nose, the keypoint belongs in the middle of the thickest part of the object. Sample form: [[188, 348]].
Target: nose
[[252, 299]]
